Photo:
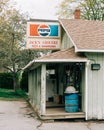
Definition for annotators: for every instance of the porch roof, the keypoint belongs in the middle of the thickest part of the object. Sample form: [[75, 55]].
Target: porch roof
[[66, 55]]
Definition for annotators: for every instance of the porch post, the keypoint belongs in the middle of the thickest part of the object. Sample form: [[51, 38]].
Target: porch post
[[86, 90], [43, 89]]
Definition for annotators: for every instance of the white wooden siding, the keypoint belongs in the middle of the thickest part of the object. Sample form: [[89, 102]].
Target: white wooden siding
[[96, 87], [66, 42], [30, 85], [34, 88], [43, 89]]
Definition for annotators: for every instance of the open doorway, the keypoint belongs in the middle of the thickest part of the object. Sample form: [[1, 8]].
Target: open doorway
[[59, 77]]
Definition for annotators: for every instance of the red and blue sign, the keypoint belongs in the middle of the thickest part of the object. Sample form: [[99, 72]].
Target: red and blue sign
[[43, 35], [44, 30]]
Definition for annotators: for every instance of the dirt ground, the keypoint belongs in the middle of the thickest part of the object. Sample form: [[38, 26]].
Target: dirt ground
[[17, 115]]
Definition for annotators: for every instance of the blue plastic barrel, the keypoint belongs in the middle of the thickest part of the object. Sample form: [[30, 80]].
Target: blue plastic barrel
[[71, 102]]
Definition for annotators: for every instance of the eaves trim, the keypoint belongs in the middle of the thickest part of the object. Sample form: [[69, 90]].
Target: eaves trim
[[88, 50], [61, 60]]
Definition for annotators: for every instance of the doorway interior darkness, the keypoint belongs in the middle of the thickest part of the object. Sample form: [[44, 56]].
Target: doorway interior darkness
[[58, 77]]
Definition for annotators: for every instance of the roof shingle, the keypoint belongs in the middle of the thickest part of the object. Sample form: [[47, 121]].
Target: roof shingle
[[85, 34], [63, 55]]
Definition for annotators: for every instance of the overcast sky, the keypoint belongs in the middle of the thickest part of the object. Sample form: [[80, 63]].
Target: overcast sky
[[39, 9]]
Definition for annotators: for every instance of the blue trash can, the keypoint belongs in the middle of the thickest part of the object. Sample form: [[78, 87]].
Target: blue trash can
[[71, 102]]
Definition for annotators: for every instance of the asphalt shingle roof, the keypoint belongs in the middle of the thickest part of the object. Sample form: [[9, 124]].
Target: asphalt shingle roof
[[85, 34], [63, 55]]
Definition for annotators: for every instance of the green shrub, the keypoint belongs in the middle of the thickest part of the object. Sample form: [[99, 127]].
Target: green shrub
[[6, 80], [24, 81]]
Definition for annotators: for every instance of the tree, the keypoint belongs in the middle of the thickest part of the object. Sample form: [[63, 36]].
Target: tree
[[12, 34], [66, 8], [90, 9], [12, 40]]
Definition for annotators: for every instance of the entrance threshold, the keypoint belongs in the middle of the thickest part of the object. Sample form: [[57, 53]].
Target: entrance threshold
[[59, 113]]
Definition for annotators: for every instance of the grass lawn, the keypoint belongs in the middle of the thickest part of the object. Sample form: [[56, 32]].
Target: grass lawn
[[9, 94]]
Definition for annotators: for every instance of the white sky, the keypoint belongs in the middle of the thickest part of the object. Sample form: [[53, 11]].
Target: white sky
[[39, 9]]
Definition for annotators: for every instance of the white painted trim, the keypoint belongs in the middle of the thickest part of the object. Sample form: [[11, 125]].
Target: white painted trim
[[43, 89], [62, 60], [52, 61], [86, 90], [87, 50]]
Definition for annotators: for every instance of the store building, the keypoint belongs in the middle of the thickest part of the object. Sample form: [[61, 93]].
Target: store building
[[78, 62]]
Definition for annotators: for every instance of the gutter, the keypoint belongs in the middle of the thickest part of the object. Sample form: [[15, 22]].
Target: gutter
[[61, 60], [87, 50]]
